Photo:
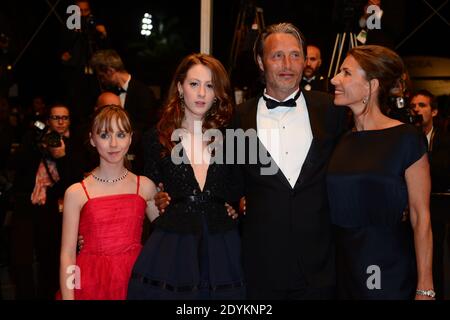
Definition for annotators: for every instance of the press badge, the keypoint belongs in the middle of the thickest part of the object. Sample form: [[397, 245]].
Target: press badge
[[362, 36]]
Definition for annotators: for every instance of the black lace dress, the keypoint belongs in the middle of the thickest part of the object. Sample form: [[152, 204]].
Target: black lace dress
[[194, 251]]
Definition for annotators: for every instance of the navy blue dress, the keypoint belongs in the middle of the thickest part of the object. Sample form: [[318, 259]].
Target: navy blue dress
[[368, 197], [194, 251]]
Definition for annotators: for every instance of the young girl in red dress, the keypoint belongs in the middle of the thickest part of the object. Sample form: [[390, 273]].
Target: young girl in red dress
[[107, 208]]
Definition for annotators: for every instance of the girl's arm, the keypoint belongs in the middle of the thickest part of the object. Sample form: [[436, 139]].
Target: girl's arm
[[69, 273]]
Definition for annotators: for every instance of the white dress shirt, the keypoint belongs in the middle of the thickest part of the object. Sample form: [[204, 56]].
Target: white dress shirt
[[286, 133], [429, 137], [123, 95]]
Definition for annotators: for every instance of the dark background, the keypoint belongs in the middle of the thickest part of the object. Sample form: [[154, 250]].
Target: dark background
[[153, 60]]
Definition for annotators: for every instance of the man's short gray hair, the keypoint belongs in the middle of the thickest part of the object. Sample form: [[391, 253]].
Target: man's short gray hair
[[285, 27]]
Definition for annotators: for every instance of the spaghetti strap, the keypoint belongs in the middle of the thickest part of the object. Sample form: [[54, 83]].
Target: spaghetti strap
[[138, 184], [85, 190]]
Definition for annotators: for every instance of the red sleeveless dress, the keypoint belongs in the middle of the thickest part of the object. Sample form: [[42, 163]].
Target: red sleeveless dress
[[111, 227]]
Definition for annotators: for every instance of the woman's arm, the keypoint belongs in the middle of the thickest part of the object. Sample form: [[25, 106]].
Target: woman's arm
[[419, 185], [68, 272], [149, 192]]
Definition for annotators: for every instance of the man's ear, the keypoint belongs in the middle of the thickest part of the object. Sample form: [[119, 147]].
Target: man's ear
[[110, 71], [434, 113], [260, 63]]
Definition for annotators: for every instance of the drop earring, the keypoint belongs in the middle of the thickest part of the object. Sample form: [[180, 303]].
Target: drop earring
[[180, 95]]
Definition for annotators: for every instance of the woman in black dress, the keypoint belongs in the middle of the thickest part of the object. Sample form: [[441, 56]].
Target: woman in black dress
[[194, 249], [379, 187]]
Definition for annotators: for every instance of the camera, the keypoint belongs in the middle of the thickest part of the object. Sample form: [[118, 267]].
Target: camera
[[398, 110], [46, 137]]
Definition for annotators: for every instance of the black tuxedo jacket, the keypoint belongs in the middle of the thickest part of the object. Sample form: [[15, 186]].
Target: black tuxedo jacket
[[141, 104], [320, 83], [439, 156], [286, 232], [439, 153]]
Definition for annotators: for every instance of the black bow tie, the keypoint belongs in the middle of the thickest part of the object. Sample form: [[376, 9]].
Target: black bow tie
[[272, 104], [120, 90]]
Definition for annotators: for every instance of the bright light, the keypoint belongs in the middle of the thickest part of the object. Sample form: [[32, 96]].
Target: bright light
[[146, 25]]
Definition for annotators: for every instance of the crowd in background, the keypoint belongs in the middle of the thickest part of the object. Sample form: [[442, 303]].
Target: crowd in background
[[44, 149]]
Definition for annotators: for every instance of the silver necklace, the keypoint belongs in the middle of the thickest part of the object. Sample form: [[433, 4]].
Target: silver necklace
[[110, 180]]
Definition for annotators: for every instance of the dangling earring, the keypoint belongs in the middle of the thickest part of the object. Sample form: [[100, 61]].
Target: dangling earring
[[180, 95], [364, 100]]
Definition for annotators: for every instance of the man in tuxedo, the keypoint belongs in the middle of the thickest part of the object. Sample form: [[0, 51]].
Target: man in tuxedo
[[286, 231], [137, 98], [424, 103], [312, 79]]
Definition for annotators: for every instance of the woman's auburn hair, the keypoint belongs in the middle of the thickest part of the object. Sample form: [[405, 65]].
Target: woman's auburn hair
[[104, 116], [384, 64], [217, 117]]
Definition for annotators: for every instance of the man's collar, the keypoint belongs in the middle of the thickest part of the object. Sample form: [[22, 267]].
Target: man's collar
[[292, 95], [309, 79]]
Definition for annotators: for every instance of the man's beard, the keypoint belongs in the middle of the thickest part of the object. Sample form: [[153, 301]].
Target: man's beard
[[306, 74]]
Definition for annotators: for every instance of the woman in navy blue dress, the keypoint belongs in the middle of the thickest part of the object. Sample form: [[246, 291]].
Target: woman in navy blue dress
[[379, 187], [194, 249]]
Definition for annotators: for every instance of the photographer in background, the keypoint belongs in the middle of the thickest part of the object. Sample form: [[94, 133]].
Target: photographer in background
[[45, 165], [80, 86], [391, 17], [398, 107], [424, 104], [90, 37]]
